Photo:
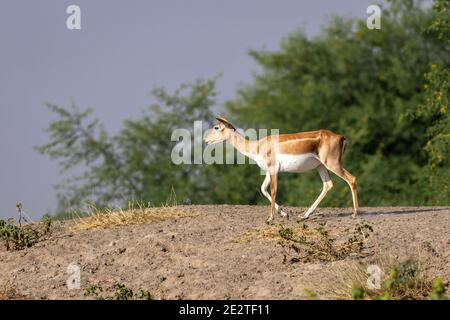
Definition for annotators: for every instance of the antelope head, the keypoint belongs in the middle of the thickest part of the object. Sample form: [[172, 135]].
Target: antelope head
[[221, 131]]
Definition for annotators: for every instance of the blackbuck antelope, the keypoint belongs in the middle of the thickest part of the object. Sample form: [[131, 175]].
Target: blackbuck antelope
[[297, 152]]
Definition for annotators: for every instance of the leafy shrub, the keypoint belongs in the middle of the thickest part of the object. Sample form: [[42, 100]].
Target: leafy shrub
[[121, 293], [286, 233], [317, 244], [17, 237], [406, 281], [438, 292]]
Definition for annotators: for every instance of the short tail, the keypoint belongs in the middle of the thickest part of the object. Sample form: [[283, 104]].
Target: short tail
[[343, 147]]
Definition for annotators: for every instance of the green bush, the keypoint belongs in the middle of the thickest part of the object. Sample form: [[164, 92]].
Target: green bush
[[121, 293], [17, 237]]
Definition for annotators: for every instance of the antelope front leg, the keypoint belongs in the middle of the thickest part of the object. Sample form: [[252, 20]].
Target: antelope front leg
[[264, 186], [273, 194]]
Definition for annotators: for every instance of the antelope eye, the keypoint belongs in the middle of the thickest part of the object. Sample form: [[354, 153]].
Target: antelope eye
[[216, 128]]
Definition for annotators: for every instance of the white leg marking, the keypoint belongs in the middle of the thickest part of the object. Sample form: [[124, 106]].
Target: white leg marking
[[327, 185], [266, 194]]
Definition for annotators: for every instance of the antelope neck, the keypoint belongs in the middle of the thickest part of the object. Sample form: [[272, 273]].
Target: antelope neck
[[245, 146]]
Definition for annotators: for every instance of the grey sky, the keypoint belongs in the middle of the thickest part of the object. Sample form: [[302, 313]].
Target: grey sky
[[123, 50]]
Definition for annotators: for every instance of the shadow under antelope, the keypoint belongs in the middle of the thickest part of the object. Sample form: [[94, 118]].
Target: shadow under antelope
[[296, 152]]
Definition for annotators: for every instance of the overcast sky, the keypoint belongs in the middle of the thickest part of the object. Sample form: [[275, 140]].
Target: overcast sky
[[124, 49]]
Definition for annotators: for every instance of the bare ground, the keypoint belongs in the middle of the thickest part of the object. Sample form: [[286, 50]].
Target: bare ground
[[199, 258]]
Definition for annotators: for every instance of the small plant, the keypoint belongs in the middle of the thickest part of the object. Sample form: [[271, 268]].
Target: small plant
[[357, 292], [438, 291], [311, 295], [17, 237], [286, 233], [317, 244], [362, 231], [121, 293], [311, 243], [94, 291], [404, 280], [144, 294]]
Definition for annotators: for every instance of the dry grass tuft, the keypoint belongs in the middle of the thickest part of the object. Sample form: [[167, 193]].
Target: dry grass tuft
[[304, 243], [109, 218], [264, 233], [400, 280], [348, 275]]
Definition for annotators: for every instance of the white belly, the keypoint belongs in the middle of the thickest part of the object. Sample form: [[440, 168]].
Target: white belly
[[260, 162], [297, 163]]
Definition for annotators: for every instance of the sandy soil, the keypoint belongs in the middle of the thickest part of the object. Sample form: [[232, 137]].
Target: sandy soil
[[199, 257]]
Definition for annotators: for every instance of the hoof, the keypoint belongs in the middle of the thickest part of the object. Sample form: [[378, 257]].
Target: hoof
[[306, 215], [303, 218], [283, 213], [269, 221]]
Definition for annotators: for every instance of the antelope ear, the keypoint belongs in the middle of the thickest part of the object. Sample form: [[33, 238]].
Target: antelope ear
[[226, 123]]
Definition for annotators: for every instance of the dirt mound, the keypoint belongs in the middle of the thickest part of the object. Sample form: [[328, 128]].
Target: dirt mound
[[200, 254]]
